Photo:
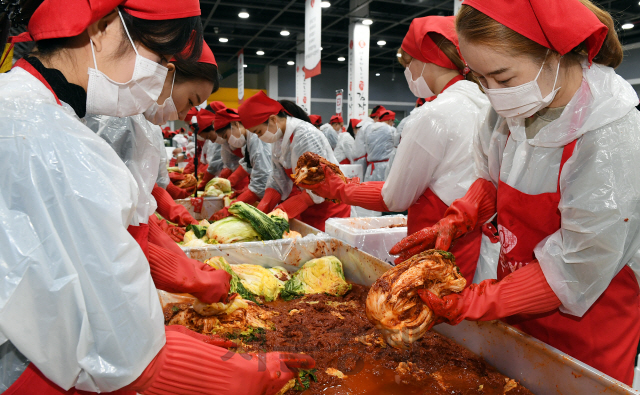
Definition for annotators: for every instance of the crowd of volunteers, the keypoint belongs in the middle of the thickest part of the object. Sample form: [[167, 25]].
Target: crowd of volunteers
[[522, 133]]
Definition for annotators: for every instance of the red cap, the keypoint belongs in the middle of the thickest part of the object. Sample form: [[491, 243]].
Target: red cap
[[354, 123], [419, 45], [217, 105], [205, 57], [336, 119], [379, 111], [316, 120], [69, 18], [257, 109], [190, 114], [388, 116], [205, 119], [224, 117], [557, 25]]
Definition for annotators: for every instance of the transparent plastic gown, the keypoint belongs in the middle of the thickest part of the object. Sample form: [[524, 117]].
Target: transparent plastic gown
[[599, 184], [378, 143], [260, 170], [330, 134], [76, 297]]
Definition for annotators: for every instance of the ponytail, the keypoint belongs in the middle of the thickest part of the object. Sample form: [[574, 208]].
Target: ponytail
[[293, 110]]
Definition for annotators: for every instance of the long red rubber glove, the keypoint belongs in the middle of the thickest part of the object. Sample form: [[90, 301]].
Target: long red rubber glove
[[269, 200], [160, 238], [175, 233], [296, 205], [225, 173], [367, 195], [205, 179], [179, 193], [475, 208], [237, 176], [214, 340], [524, 291], [188, 169], [186, 366], [173, 272], [170, 210], [247, 197]]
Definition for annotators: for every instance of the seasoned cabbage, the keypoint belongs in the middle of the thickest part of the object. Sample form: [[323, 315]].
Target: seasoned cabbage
[[189, 236], [220, 308], [259, 281], [221, 184], [195, 243], [219, 263], [280, 272], [321, 275], [231, 230]]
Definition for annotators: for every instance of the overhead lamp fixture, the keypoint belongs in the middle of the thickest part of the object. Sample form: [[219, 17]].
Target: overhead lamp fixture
[[325, 4], [284, 33], [244, 65], [367, 22], [260, 52], [243, 14], [627, 26], [223, 39], [291, 63], [341, 59], [321, 48], [398, 55], [382, 42], [377, 74]]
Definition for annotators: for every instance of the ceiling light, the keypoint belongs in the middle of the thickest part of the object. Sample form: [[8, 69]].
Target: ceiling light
[[367, 22], [284, 33], [243, 14], [325, 4], [223, 39], [321, 48], [341, 59], [244, 65], [398, 55], [291, 63], [627, 26], [260, 53], [382, 42], [377, 74]]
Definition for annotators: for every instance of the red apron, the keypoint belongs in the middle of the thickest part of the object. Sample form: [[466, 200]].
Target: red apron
[[428, 210], [373, 164], [141, 234], [317, 214], [32, 381], [607, 336]]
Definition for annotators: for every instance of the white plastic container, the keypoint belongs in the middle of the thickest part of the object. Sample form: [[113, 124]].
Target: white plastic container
[[371, 235], [351, 171], [210, 206]]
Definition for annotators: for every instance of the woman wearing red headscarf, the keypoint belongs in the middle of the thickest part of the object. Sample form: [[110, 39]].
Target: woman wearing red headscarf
[[78, 298], [286, 127], [433, 165], [563, 152], [346, 144]]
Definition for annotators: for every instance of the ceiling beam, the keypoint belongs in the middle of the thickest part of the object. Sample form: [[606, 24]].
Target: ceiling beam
[[213, 9]]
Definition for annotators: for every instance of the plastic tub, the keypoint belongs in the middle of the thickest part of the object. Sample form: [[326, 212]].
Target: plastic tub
[[371, 235], [350, 171], [210, 206]]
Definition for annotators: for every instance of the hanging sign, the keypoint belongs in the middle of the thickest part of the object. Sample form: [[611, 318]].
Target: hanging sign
[[312, 37], [339, 101], [303, 85], [358, 94], [241, 77]]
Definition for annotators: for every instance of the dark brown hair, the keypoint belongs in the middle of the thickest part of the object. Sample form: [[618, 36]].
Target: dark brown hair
[[479, 28], [188, 70]]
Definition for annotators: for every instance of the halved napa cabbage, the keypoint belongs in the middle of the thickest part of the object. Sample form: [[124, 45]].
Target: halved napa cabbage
[[321, 275], [259, 281], [231, 230]]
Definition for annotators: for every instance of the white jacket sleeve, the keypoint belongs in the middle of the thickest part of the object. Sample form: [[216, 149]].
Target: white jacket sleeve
[[229, 159], [600, 208], [77, 298], [260, 169], [215, 159]]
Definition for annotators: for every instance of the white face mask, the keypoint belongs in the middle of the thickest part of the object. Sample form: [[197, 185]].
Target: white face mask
[[418, 87], [160, 114], [270, 137], [107, 97], [237, 142], [521, 101]]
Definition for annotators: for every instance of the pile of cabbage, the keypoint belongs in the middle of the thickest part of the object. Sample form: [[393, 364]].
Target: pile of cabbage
[[246, 224], [216, 187], [256, 283]]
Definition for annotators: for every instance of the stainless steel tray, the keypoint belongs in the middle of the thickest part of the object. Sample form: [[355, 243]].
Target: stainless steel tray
[[536, 365]]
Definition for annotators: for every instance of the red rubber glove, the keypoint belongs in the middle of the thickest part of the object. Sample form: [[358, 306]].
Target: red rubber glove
[[179, 193], [187, 366], [175, 233], [159, 237], [296, 205], [205, 179], [225, 173], [220, 214], [475, 208], [189, 168], [524, 291], [175, 176], [367, 195], [247, 197], [269, 200], [214, 340], [238, 175], [170, 210], [173, 272]]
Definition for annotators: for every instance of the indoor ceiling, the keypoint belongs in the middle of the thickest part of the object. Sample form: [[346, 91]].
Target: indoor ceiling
[[261, 31]]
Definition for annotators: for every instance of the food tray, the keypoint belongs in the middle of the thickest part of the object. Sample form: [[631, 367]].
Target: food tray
[[369, 234], [210, 206], [538, 366]]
